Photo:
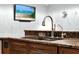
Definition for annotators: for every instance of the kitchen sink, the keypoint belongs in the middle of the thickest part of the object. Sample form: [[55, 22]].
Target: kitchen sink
[[53, 39], [44, 38]]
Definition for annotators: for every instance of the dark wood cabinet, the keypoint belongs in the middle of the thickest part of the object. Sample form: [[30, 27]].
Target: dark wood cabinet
[[19, 47], [6, 46], [63, 50], [43, 49], [24, 47], [15, 46]]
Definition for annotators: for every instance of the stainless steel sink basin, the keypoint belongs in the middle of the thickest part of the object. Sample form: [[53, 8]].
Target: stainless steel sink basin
[[49, 38], [43, 38], [55, 38]]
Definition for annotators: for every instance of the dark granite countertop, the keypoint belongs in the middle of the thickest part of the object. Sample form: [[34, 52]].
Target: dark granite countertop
[[66, 42]]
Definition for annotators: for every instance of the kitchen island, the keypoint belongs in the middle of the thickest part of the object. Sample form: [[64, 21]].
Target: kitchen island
[[35, 46]]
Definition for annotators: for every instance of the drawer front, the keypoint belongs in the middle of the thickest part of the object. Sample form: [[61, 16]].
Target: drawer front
[[42, 51], [18, 43], [19, 47], [41, 48], [44, 46]]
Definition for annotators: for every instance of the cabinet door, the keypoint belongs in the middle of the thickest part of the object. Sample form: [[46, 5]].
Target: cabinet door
[[68, 51], [43, 49], [19, 47], [5, 46]]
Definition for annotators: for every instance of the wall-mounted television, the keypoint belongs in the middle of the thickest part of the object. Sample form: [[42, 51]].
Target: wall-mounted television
[[24, 12]]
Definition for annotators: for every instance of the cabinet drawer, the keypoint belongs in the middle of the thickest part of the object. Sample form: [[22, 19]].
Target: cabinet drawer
[[42, 51], [19, 48], [18, 45], [43, 46]]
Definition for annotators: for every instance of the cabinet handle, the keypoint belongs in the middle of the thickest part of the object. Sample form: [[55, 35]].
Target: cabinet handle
[[15, 43], [39, 52]]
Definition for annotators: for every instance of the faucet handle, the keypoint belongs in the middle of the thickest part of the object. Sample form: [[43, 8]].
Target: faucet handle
[[62, 35]]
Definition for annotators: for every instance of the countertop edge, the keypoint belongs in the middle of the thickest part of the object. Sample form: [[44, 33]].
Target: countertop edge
[[41, 42]]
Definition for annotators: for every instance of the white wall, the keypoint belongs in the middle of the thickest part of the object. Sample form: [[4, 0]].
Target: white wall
[[41, 12], [71, 22], [9, 27]]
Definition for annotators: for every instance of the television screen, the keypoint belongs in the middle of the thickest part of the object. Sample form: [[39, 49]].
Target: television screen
[[24, 12]]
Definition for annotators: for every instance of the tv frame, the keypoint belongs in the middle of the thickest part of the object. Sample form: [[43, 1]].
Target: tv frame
[[26, 19]]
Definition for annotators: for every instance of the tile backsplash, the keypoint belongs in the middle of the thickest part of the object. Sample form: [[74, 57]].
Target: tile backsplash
[[68, 34]]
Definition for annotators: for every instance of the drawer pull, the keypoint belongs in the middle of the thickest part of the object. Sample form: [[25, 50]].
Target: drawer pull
[[38, 52], [19, 44]]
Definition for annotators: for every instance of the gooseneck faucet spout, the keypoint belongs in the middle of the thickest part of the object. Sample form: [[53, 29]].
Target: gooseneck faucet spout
[[43, 23]]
